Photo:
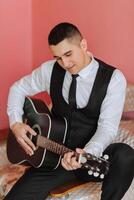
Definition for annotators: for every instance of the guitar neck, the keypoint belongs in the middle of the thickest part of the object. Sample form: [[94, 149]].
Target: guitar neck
[[52, 145]]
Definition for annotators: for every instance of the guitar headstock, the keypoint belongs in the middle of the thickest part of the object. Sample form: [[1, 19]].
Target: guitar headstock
[[96, 166]]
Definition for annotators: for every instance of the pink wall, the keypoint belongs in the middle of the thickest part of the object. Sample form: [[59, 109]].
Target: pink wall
[[107, 25], [15, 47]]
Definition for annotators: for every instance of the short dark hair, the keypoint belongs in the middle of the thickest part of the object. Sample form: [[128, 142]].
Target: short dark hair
[[62, 31]]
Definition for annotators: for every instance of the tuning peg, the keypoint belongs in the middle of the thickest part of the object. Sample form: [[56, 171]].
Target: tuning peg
[[97, 169], [90, 172], [102, 176], [86, 166], [106, 157], [94, 158], [96, 174], [89, 156]]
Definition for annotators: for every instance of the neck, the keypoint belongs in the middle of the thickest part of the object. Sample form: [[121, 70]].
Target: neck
[[88, 59]]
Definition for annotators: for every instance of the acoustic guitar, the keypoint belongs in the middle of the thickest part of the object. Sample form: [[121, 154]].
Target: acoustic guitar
[[51, 135]]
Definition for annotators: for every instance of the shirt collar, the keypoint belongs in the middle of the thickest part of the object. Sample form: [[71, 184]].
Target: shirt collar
[[89, 68]]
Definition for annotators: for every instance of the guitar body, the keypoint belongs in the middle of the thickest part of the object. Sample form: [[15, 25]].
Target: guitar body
[[39, 118]]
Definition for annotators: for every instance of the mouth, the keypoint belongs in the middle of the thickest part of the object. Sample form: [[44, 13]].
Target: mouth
[[70, 67]]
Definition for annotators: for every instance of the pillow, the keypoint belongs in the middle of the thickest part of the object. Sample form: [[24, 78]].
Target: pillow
[[129, 115]]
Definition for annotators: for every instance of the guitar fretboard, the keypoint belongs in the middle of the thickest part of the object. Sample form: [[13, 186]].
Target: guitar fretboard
[[52, 145]]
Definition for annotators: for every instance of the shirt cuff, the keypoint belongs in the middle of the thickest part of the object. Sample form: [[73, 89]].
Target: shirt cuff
[[94, 148], [13, 118]]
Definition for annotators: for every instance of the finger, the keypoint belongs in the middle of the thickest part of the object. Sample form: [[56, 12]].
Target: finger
[[30, 143], [81, 151], [25, 146], [67, 156], [66, 165], [74, 163], [70, 159], [30, 130]]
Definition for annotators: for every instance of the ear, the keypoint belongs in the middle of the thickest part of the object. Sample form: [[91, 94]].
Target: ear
[[83, 44]]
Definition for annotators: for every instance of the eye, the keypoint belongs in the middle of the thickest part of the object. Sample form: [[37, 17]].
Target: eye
[[68, 54]]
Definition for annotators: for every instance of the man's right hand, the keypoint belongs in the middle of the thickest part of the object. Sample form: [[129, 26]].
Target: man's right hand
[[20, 131]]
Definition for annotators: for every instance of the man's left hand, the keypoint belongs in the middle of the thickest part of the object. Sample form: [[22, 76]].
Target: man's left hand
[[69, 161]]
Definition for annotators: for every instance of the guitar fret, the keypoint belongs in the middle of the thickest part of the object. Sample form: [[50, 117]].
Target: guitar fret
[[57, 148], [52, 145]]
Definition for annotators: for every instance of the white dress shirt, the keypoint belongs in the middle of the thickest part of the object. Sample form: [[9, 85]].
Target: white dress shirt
[[111, 108]]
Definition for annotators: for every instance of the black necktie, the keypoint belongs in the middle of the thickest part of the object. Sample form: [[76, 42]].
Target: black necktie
[[72, 91]]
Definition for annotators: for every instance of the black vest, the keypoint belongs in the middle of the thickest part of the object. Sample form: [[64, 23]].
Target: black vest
[[82, 122]]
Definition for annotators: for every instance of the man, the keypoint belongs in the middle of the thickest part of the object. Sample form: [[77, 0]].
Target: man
[[92, 122]]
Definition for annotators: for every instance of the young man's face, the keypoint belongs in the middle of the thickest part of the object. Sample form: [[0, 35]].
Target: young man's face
[[71, 54]]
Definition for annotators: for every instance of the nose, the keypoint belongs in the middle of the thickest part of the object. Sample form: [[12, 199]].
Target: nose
[[65, 62]]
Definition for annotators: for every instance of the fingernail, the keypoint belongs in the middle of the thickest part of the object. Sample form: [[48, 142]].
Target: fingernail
[[31, 153]]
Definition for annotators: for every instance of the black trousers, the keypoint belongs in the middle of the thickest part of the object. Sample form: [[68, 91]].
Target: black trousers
[[36, 184]]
